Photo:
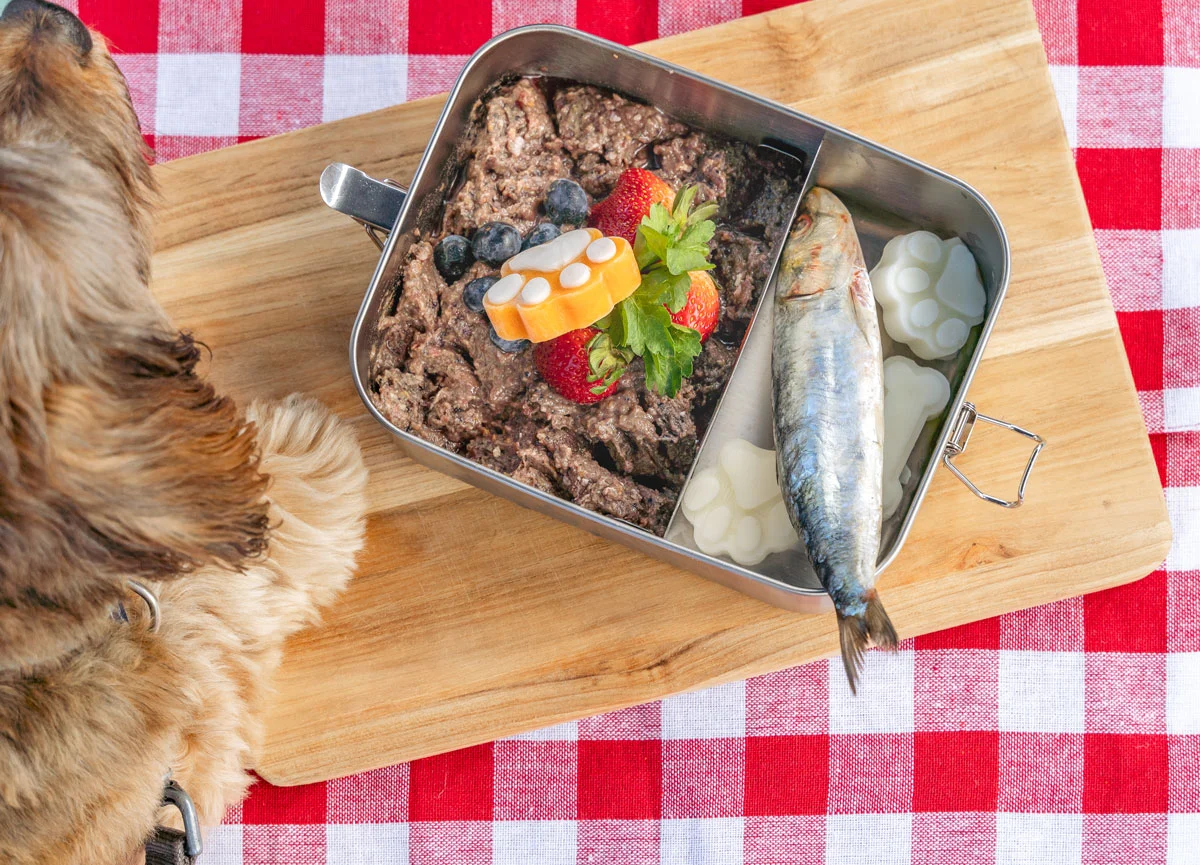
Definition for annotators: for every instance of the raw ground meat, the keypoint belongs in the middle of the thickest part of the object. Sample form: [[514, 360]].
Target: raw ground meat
[[769, 212], [591, 485], [436, 372], [741, 264], [516, 155], [606, 133]]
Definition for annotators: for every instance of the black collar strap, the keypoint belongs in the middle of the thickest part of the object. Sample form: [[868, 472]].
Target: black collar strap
[[168, 847]]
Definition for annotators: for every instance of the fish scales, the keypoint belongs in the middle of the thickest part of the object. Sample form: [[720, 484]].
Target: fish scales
[[827, 381]]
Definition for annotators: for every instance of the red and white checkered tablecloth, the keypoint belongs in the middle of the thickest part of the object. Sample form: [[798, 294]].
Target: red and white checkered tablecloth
[[1065, 734]]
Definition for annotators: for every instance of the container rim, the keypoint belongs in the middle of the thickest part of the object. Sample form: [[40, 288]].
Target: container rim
[[618, 526]]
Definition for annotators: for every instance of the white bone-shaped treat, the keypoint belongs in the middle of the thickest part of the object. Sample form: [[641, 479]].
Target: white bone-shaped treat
[[736, 508], [930, 292], [912, 394]]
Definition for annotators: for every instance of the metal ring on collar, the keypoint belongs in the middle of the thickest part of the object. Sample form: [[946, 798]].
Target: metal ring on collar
[[175, 795], [151, 601]]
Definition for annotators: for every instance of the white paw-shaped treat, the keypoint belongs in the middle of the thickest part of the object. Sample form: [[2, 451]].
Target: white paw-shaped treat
[[912, 394], [930, 292], [736, 508]]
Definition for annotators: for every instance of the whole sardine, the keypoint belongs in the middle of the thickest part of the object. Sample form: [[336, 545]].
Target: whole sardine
[[827, 376]]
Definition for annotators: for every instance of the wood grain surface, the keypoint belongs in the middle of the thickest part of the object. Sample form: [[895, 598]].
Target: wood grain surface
[[455, 632]]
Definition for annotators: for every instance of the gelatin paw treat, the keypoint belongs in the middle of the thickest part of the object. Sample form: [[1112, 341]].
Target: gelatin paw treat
[[912, 394], [736, 508], [930, 292], [561, 285]]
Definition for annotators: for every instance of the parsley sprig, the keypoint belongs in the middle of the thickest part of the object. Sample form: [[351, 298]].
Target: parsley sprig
[[669, 245]]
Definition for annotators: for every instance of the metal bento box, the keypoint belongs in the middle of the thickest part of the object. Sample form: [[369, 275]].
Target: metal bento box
[[886, 193]]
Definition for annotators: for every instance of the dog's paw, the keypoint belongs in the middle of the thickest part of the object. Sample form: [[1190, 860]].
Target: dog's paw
[[317, 491]]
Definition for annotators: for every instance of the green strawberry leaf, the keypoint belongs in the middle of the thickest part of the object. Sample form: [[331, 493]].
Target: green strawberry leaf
[[659, 218], [687, 345], [698, 234], [668, 246], [658, 335], [655, 287], [606, 362], [680, 286], [634, 334], [703, 213], [683, 203], [657, 374], [654, 243], [682, 259]]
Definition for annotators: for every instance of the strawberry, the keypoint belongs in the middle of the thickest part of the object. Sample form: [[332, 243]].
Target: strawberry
[[622, 212], [703, 306], [567, 363]]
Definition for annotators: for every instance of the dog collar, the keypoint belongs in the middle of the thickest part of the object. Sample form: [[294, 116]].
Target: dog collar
[[170, 846], [166, 846]]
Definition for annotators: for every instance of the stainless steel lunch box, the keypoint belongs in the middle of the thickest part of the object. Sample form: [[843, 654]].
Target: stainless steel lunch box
[[886, 193]]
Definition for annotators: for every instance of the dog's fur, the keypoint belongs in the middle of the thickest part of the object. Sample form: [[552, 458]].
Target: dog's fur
[[118, 461]]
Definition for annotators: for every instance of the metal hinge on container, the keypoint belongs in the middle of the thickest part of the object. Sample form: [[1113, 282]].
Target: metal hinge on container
[[375, 204], [960, 434]]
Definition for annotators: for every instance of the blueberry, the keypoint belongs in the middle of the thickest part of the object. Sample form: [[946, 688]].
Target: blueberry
[[566, 202], [543, 232], [452, 257], [475, 290], [496, 242], [512, 346]]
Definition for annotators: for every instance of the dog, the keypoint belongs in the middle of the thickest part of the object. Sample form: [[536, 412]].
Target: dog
[[119, 463]]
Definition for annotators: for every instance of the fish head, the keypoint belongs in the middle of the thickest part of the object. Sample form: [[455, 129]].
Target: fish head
[[822, 250]]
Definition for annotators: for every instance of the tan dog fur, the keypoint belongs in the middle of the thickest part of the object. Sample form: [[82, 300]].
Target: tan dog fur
[[118, 461]]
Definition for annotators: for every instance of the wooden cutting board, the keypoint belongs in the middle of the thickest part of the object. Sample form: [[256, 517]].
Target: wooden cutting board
[[448, 638]]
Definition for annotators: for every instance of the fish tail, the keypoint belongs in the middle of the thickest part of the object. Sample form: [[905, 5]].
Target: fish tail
[[858, 632]]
